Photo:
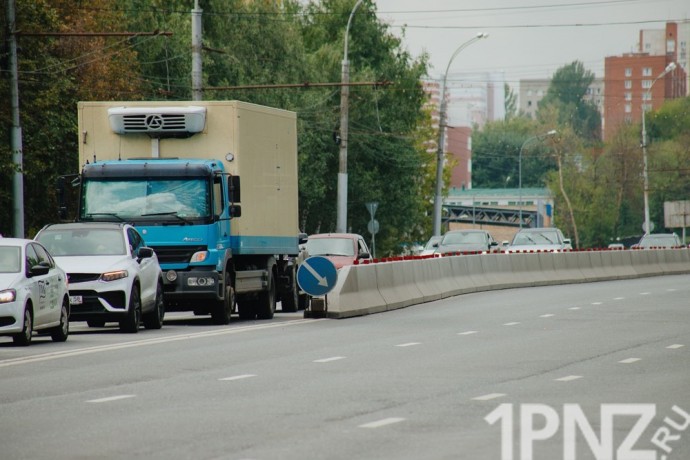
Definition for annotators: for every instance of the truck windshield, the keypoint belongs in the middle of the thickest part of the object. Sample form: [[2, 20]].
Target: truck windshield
[[129, 199]]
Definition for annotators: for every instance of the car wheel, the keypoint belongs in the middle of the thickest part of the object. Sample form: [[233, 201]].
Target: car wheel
[[24, 337], [154, 320], [95, 323], [133, 320], [289, 300], [266, 306], [60, 333], [222, 310]]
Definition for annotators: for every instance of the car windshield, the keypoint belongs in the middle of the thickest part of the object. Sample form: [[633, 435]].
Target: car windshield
[[83, 242], [463, 238], [532, 238], [130, 199], [10, 257], [330, 247], [433, 240]]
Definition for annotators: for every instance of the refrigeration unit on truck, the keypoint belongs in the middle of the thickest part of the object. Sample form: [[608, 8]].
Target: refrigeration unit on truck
[[212, 187]]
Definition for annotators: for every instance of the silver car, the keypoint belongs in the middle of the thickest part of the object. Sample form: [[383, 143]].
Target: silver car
[[33, 292], [549, 239], [466, 241]]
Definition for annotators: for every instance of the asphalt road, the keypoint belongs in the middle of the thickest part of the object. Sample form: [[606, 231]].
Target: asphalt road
[[584, 371]]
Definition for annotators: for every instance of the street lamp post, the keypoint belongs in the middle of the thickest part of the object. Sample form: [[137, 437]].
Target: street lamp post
[[341, 224], [522, 147], [645, 171], [438, 199]]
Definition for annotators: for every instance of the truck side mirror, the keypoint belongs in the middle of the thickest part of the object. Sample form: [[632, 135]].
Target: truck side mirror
[[235, 210], [234, 189]]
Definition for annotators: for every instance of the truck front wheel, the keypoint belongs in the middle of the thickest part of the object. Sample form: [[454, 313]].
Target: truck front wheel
[[222, 310], [266, 305]]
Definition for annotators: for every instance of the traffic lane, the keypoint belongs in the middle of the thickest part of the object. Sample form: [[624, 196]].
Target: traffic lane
[[82, 336], [385, 384]]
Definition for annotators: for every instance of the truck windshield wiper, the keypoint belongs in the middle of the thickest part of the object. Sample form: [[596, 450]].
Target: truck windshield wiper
[[112, 214], [170, 213]]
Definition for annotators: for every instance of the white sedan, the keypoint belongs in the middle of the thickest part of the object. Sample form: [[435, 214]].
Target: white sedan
[[33, 292], [113, 275]]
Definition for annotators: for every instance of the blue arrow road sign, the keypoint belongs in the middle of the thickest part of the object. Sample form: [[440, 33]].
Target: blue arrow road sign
[[317, 276]]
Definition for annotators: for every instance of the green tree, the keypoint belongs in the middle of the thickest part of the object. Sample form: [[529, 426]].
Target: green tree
[[510, 101], [566, 93]]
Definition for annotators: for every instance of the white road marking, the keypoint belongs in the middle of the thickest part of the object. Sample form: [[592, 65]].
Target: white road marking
[[574, 308], [671, 290], [548, 315], [675, 346], [644, 293], [328, 360], [629, 360], [489, 397], [619, 298], [153, 341], [238, 377], [467, 332], [111, 398], [409, 344], [512, 324], [596, 303], [568, 378], [384, 422]]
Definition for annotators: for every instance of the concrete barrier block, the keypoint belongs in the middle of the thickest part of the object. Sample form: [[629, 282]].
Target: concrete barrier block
[[621, 264], [426, 274], [499, 271], [476, 272], [566, 266], [599, 270], [397, 285], [671, 261], [645, 263], [526, 269], [356, 293], [462, 275]]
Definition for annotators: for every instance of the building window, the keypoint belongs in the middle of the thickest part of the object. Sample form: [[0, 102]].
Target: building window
[[646, 84], [628, 96], [628, 72], [628, 119], [529, 92], [646, 107], [628, 108], [529, 103], [628, 84], [646, 71], [646, 96]]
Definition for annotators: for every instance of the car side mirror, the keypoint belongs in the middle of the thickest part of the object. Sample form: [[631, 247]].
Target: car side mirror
[[505, 243], [302, 238], [493, 243], [38, 270], [144, 253], [566, 241], [364, 255]]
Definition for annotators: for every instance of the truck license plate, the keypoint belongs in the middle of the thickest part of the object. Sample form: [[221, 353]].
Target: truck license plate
[[75, 300]]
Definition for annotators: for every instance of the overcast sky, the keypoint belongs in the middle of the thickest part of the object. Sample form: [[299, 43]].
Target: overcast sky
[[529, 38]]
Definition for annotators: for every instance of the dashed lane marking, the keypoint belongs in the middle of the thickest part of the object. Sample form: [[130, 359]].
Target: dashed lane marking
[[383, 422], [514, 323], [409, 344], [328, 360], [675, 346], [629, 360], [568, 378], [111, 398], [467, 332], [574, 308], [238, 377], [489, 397], [548, 315]]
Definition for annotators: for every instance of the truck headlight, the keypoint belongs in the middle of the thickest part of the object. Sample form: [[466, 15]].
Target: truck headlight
[[199, 256], [113, 276]]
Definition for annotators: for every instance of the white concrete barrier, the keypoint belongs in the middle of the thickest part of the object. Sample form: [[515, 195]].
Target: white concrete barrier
[[374, 288]]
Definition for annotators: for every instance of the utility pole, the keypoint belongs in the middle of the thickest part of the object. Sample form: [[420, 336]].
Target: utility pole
[[16, 134], [196, 53]]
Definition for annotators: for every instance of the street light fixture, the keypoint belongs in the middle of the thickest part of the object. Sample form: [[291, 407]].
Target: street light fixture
[[537, 137], [438, 199], [341, 223], [645, 171]]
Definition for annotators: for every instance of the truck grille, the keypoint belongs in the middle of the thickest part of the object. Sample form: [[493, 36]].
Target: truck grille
[[176, 254]]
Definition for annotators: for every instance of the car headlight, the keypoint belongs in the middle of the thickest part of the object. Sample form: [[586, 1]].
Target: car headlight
[[113, 276], [8, 295]]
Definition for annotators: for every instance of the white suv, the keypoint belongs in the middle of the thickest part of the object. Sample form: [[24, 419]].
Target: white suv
[[113, 276]]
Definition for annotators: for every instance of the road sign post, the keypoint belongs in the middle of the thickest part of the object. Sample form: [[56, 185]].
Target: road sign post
[[317, 277]]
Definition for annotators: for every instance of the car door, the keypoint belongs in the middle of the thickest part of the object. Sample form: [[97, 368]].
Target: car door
[[53, 284], [37, 286], [148, 268]]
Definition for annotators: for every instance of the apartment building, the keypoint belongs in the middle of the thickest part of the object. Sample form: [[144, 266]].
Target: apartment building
[[532, 91]]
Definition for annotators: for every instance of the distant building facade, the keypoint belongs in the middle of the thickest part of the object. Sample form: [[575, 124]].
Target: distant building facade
[[532, 91]]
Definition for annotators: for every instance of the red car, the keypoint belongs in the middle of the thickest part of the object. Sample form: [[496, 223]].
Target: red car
[[340, 248]]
